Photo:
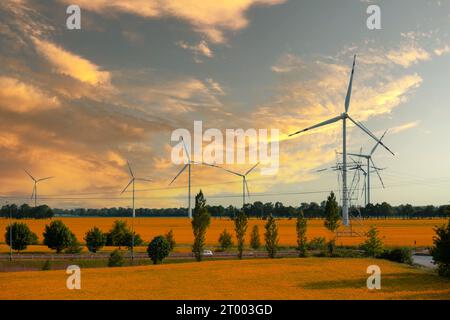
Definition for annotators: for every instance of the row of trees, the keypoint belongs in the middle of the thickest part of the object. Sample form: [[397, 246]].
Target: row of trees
[[25, 211]]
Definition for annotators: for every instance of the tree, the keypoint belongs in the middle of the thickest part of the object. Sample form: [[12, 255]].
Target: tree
[[95, 239], [158, 249], [240, 226], [441, 249], [74, 246], [121, 236], [21, 236], [57, 236], [255, 242], [332, 216], [225, 240], [373, 246], [116, 259], [302, 241], [200, 223], [171, 240], [271, 237]]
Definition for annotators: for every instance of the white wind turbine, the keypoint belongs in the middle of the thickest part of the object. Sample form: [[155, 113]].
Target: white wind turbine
[[368, 158], [344, 116], [36, 181], [132, 182], [187, 165], [244, 179]]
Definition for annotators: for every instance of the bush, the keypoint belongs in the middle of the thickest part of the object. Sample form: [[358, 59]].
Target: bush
[[95, 239], [74, 247], [401, 255], [441, 249], [171, 240], [158, 249], [317, 243], [373, 245], [21, 236], [271, 237], [225, 240], [57, 236], [116, 259], [255, 242], [47, 265]]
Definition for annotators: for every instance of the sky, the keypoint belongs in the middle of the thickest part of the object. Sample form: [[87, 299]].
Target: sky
[[78, 104]]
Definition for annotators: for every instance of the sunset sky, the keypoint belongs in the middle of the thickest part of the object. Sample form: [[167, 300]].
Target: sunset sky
[[77, 104]]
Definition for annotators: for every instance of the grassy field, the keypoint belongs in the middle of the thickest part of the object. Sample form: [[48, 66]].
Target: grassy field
[[395, 232], [311, 278]]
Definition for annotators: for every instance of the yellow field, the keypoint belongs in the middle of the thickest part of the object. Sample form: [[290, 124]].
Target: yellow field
[[312, 278], [395, 232]]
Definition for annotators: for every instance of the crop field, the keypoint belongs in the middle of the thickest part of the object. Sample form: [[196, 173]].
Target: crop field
[[395, 232], [311, 278]]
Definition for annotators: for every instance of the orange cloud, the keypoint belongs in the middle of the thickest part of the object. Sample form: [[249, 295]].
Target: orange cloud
[[69, 64], [21, 97]]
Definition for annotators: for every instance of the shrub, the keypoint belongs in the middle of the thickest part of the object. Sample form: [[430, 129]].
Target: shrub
[[74, 247], [171, 240], [255, 242], [21, 236], [46, 266], [441, 249], [57, 236], [401, 255], [225, 240], [116, 259], [373, 245], [95, 239], [271, 237], [317, 243], [240, 227], [158, 249]]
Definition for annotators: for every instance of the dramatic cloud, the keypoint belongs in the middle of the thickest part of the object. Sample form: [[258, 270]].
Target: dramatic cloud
[[72, 65], [20, 97], [212, 18]]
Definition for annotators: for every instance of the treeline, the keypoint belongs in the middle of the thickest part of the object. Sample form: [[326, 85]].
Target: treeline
[[257, 209], [25, 211]]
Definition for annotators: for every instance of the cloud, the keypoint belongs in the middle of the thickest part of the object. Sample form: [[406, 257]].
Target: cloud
[[21, 97], [200, 49], [442, 51], [211, 18], [404, 127], [288, 63], [67, 63]]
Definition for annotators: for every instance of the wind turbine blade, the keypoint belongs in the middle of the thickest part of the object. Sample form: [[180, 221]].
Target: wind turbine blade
[[29, 175], [127, 186], [32, 193], [181, 171], [251, 169], [142, 179], [367, 131], [324, 123], [44, 179], [186, 150], [321, 170], [378, 173], [350, 85], [222, 168], [129, 168], [377, 144]]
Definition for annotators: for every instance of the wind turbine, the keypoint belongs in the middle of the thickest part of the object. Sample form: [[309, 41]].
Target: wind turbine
[[132, 182], [369, 160], [244, 179], [187, 165], [344, 116], [36, 181]]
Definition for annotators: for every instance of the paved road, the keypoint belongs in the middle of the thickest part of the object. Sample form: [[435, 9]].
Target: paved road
[[425, 261]]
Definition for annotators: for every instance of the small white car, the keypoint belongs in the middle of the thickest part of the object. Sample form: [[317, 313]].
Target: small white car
[[207, 253]]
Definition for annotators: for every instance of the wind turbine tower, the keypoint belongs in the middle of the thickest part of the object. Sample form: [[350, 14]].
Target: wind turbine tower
[[35, 181]]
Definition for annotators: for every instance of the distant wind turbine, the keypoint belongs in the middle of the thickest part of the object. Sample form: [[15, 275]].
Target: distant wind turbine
[[244, 179], [132, 182], [36, 181], [344, 116]]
